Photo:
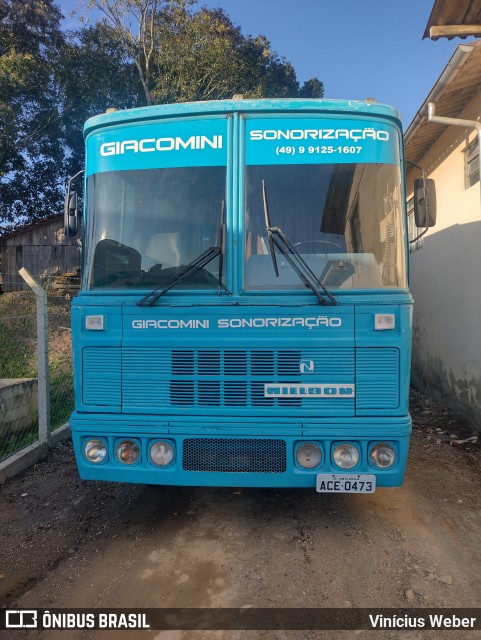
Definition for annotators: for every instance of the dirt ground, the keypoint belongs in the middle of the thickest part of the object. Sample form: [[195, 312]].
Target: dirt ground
[[69, 543]]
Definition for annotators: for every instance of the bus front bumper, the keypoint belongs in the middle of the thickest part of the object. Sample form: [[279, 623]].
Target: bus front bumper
[[237, 454]]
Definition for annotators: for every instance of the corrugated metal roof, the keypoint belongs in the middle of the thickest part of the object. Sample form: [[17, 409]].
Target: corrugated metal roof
[[454, 18], [455, 88]]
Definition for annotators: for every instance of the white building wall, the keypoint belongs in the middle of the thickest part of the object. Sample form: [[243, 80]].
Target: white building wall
[[446, 279]]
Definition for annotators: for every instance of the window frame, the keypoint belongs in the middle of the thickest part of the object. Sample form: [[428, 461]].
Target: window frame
[[471, 155]]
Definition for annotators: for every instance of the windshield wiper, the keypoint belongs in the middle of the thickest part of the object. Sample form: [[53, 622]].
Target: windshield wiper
[[183, 274], [278, 239]]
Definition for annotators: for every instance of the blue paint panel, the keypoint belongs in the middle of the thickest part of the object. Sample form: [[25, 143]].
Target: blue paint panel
[[320, 140], [384, 355], [189, 143]]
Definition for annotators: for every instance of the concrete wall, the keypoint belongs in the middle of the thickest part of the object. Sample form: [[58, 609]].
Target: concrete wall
[[446, 280], [18, 404]]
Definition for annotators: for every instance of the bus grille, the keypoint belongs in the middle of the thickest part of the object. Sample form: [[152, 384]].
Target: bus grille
[[236, 378], [234, 455], [150, 380], [231, 379]]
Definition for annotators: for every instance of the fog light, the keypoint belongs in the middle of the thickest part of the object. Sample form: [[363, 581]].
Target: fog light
[[309, 455], [346, 456], [161, 453], [383, 455], [95, 450], [128, 451]]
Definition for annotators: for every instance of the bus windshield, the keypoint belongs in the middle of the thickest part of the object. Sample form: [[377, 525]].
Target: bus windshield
[[346, 220], [144, 226]]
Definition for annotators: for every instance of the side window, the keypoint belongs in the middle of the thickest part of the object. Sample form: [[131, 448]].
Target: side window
[[413, 230], [471, 164]]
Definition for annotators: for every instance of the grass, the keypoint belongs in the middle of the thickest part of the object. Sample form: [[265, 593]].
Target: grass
[[61, 400], [14, 442], [18, 336]]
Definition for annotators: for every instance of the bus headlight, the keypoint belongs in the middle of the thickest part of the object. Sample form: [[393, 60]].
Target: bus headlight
[[309, 455], [346, 456], [128, 451], [95, 450], [383, 455], [161, 453]]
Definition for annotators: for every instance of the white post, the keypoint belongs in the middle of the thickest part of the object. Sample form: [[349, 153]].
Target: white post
[[42, 356]]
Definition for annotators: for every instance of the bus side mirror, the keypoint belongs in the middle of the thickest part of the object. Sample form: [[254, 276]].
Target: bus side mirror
[[71, 213], [70, 209], [424, 202]]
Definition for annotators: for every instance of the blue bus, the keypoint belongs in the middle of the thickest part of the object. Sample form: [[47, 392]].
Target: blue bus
[[244, 317]]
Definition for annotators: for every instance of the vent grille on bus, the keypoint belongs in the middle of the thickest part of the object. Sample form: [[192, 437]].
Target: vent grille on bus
[[134, 379], [234, 455], [235, 363], [238, 377], [230, 368], [101, 376], [377, 379]]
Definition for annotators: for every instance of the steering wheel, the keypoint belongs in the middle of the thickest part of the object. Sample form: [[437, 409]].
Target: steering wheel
[[329, 242]]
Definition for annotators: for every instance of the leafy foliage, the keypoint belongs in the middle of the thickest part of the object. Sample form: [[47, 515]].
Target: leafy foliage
[[30, 137], [204, 56], [182, 55], [96, 75], [50, 83]]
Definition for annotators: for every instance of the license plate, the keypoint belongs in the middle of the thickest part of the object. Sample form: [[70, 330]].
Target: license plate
[[348, 483]]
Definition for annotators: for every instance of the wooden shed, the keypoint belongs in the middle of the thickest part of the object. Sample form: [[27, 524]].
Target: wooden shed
[[41, 248]]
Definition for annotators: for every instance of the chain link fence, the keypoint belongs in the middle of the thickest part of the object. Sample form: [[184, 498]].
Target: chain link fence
[[21, 382]]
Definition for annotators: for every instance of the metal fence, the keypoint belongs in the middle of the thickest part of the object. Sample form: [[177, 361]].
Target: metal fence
[[36, 380]]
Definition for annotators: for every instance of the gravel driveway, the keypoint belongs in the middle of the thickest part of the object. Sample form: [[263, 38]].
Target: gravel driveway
[[69, 543]]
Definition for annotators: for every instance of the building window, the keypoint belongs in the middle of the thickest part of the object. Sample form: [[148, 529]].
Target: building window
[[471, 164], [413, 230]]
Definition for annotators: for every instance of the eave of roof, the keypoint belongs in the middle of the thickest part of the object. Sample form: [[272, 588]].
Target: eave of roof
[[454, 18], [455, 88], [32, 225]]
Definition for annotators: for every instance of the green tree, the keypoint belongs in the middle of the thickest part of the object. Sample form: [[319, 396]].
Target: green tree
[[204, 56], [312, 88], [136, 24], [96, 74], [30, 135], [186, 55], [50, 83]]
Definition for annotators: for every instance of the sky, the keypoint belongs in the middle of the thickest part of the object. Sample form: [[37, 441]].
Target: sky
[[358, 48]]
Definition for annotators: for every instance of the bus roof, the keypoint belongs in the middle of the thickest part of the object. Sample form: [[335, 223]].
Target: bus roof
[[217, 107]]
